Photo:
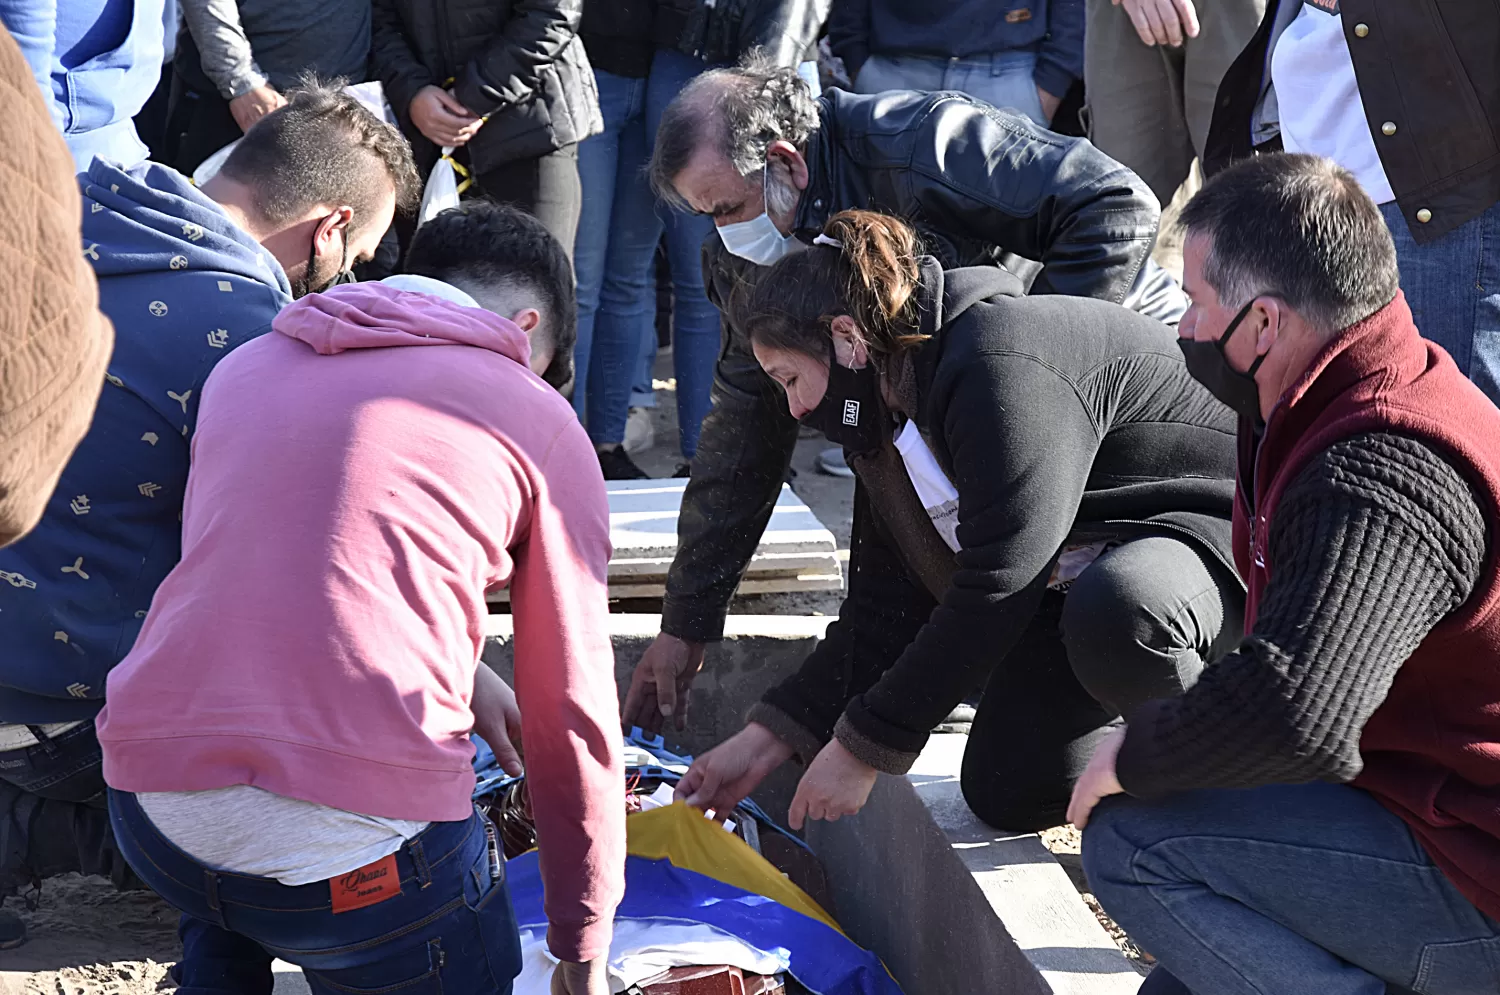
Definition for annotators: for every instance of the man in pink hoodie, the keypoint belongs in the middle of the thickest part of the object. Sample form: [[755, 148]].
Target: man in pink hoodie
[[288, 742]]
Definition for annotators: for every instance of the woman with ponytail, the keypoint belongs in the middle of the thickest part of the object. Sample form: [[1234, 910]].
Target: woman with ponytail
[[1042, 511]]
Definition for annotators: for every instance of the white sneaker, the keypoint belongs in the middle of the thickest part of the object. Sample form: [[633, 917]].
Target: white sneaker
[[831, 462], [640, 433]]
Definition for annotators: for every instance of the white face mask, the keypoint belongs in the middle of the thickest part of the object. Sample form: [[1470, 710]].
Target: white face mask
[[758, 239]]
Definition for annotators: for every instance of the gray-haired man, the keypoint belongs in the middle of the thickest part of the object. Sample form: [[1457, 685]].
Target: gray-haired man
[[750, 147]]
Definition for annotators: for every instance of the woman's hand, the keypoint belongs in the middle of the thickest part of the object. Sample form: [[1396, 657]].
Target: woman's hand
[[1098, 781], [837, 783], [721, 778], [439, 115], [497, 718]]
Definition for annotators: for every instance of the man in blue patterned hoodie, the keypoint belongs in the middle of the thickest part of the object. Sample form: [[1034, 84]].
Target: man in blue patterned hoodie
[[186, 275]]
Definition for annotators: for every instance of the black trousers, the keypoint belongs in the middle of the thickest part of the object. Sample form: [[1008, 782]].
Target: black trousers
[[546, 187], [199, 123], [1140, 622], [53, 814]]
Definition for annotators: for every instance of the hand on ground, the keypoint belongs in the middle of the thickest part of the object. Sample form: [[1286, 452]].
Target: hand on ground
[[721, 778], [836, 784], [588, 978], [1162, 22], [662, 681], [442, 118], [249, 108], [1098, 781]]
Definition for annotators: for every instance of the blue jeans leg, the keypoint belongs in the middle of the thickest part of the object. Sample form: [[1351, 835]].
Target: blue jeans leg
[[620, 103], [1002, 79], [695, 321], [450, 928], [627, 299], [1313, 888], [900, 72], [1453, 287]]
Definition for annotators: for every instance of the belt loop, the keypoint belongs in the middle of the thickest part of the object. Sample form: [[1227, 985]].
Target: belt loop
[[43, 740], [211, 894], [419, 862]]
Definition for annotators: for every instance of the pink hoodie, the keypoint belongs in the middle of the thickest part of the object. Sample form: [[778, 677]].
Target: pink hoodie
[[359, 481]]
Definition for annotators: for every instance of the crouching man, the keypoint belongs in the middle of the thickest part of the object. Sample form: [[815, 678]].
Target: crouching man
[[361, 477], [1361, 854]]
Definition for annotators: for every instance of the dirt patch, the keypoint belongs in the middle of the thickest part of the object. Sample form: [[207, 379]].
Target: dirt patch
[[86, 938]]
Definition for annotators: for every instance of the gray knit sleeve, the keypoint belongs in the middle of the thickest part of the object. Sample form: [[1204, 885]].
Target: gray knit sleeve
[[1375, 541], [223, 48]]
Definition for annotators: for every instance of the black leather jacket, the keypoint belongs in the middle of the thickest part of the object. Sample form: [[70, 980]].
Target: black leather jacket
[[983, 186], [722, 31], [521, 63]]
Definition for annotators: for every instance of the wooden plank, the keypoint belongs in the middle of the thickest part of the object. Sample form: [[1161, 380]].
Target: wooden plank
[[796, 553]]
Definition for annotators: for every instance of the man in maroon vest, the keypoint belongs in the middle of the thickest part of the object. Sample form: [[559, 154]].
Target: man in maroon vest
[[1357, 725]]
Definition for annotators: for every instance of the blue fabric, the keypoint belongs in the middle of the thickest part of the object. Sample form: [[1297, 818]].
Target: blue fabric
[[618, 231], [1453, 287], [1053, 29], [1004, 79], [1313, 888], [450, 929], [825, 961], [183, 286], [97, 63]]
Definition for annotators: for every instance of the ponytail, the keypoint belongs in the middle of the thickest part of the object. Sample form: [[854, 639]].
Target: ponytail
[[864, 265]]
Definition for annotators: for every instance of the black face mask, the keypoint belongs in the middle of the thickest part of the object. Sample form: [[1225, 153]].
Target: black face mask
[[851, 413], [1210, 367], [304, 286]]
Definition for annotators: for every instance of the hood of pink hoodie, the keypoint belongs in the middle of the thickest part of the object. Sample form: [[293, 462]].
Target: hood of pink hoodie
[[375, 316]]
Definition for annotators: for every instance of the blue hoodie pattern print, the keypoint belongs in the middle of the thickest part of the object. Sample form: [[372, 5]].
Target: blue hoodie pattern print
[[183, 285]]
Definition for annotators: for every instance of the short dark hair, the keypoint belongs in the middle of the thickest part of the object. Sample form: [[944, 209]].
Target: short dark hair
[[1298, 228], [495, 245], [743, 109], [323, 147]]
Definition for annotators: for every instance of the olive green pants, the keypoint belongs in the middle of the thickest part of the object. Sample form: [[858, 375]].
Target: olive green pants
[[1149, 106]]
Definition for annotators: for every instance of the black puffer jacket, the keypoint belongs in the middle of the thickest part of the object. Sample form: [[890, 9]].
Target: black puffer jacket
[[518, 61], [618, 35], [1057, 419]]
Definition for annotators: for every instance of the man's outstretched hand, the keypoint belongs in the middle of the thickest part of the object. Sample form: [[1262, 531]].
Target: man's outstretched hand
[[661, 684]]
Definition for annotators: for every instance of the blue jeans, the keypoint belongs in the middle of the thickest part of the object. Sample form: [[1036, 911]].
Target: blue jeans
[[1002, 79], [618, 231], [1453, 287], [1312, 888], [450, 929]]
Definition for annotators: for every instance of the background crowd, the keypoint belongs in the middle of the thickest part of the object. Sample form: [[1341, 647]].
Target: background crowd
[[721, 177]]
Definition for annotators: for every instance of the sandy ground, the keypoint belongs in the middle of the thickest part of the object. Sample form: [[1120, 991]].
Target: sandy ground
[[88, 939]]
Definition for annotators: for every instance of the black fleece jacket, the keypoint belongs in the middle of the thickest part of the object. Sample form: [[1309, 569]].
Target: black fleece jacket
[[1055, 417]]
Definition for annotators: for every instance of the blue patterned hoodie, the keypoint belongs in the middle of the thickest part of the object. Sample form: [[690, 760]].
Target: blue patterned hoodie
[[183, 285]]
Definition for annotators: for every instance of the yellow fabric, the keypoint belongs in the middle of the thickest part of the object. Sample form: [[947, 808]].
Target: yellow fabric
[[683, 836]]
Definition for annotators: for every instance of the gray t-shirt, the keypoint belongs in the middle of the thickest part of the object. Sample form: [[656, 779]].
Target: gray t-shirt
[[247, 830]]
